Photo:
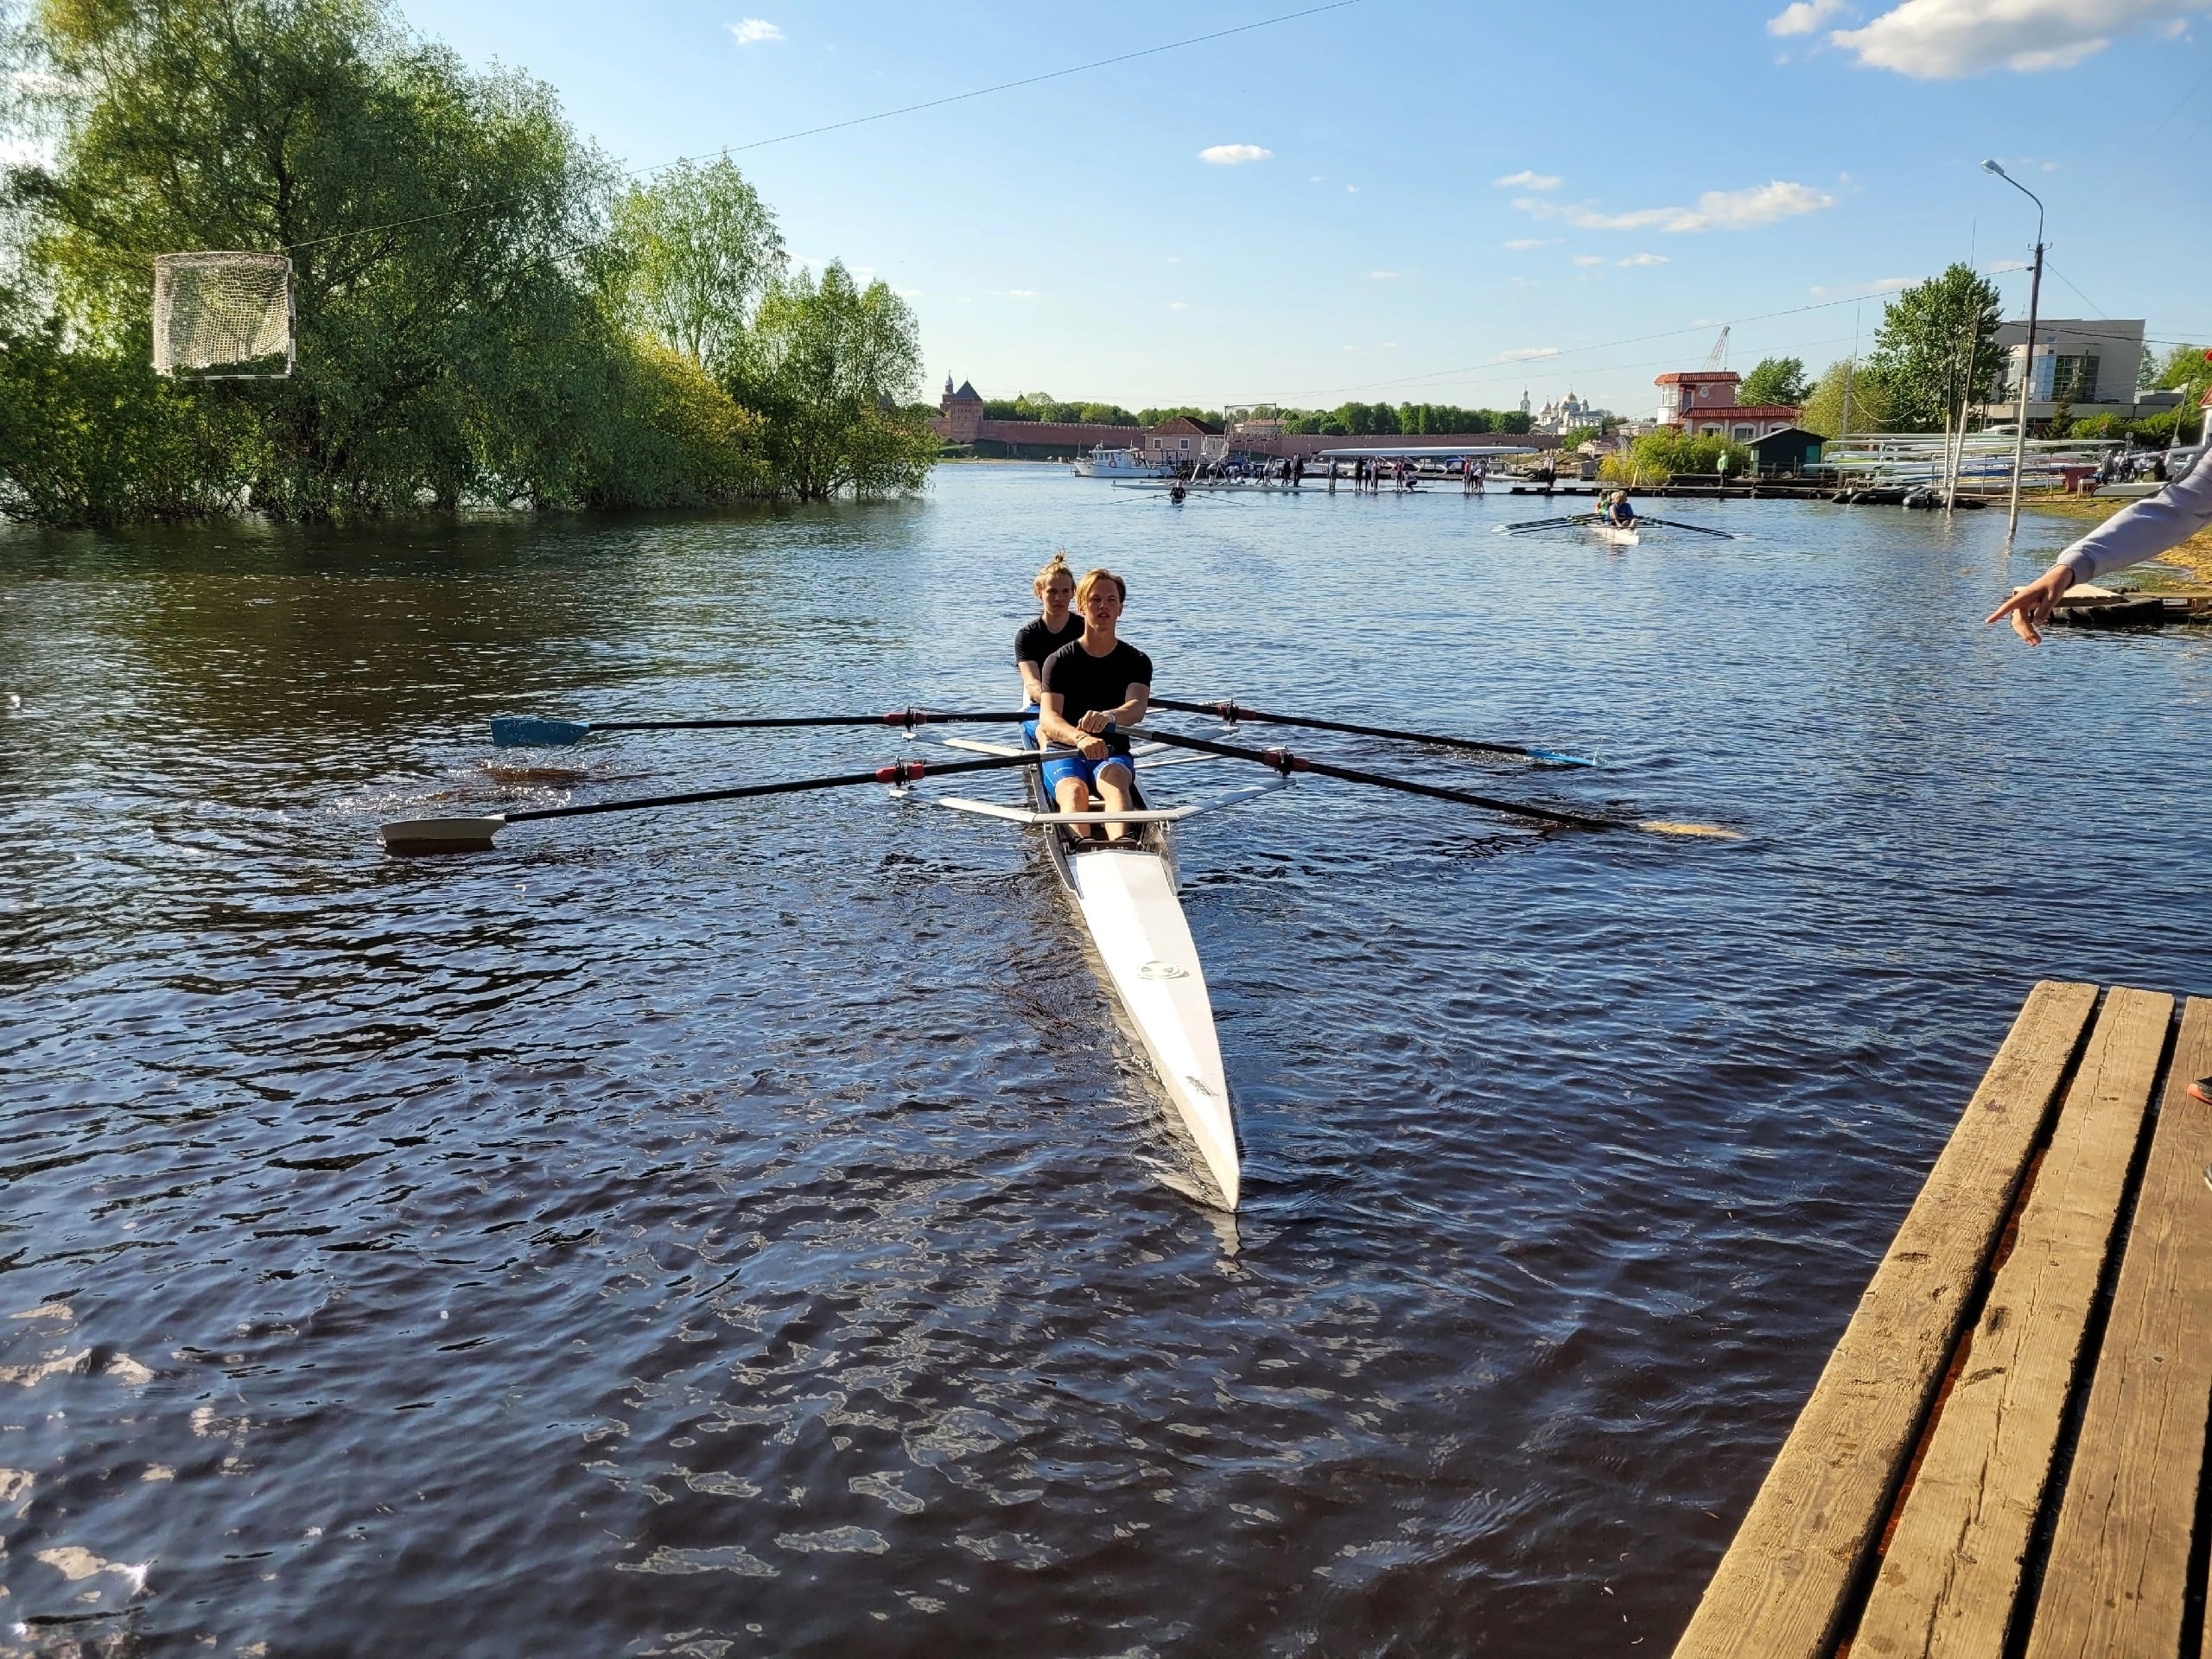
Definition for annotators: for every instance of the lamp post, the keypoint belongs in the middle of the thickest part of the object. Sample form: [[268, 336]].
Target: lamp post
[[2028, 352]]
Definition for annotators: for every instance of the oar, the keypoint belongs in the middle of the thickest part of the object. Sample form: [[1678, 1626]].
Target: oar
[[1234, 712], [1672, 523], [474, 835], [1541, 523], [527, 731], [1285, 762]]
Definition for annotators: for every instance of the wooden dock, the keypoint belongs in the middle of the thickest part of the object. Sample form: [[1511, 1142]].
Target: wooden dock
[[2005, 1454]]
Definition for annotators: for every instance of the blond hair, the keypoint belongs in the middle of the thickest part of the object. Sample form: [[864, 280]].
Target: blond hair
[[1058, 566], [1089, 585]]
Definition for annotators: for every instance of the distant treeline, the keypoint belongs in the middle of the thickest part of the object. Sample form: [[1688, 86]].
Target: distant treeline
[[1346, 420], [487, 314]]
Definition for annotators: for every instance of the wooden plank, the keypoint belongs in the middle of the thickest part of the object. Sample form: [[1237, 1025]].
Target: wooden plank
[[2112, 1585], [1951, 1571], [1779, 1592]]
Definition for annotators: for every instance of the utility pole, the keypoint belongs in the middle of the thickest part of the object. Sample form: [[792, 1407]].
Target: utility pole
[[2027, 352]]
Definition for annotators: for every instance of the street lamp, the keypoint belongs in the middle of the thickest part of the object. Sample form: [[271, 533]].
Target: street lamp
[[2028, 354]]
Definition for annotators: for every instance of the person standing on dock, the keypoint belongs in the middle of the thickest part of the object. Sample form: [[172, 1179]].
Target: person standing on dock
[[2141, 531]]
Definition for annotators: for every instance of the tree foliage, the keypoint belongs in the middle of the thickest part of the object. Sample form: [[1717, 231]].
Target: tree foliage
[[481, 317], [1658, 456], [691, 253], [1937, 349], [830, 366], [1043, 406], [1776, 380], [1824, 405]]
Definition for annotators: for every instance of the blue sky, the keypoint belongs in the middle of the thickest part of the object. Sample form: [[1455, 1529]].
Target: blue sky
[[1676, 167]]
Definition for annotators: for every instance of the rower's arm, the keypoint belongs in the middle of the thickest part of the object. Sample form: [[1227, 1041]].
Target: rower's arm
[[1052, 726], [1133, 706], [1033, 681]]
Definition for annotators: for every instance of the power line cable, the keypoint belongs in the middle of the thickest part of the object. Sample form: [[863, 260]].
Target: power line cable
[[880, 115]]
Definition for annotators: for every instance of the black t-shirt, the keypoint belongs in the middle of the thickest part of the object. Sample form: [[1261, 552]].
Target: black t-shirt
[[1085, 683], [1037, 641]]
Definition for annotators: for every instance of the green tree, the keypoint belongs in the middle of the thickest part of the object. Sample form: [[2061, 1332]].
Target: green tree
[[1936, 349], [304, 124], [1870, 406], [830, 367], [690, 254], [1658, 456], [1513, 420], [1776, 380], [1159, 417]]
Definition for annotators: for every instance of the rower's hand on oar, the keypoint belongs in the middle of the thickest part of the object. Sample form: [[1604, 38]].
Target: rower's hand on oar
[[2030, 609]]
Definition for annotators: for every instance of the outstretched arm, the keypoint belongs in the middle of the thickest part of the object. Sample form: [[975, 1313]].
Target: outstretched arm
[[2142, 531]]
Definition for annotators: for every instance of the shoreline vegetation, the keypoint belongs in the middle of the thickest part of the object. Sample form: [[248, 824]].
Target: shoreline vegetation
[[488, 315]]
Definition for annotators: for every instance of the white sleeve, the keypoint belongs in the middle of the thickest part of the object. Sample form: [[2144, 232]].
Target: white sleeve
[[2149, 527]]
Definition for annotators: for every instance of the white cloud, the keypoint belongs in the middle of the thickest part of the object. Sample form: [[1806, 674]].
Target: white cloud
[[1174, 259], [1948, 40], [1528, 180], [1528, 355], [755, 31], [1021, 293], [1380, 275], [1351, 189], [1522, 244], [1635, 259], [1716, 210], [1856, 290], [1177, 305], [1234, 154], [1589, 259], [2003, 265], [1803, 17]]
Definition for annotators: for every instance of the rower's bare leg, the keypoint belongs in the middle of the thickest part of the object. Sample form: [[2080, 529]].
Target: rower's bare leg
[[1072, 796], [1114, 785]]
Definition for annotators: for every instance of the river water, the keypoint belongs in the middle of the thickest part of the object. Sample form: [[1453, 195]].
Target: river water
[[746, 1230]]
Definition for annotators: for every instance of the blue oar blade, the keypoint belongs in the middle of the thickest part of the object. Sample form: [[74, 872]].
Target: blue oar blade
[[1551, 757], [529, 732]]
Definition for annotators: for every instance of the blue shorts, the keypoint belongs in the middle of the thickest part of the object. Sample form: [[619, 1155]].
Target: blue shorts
[[1066, 763]]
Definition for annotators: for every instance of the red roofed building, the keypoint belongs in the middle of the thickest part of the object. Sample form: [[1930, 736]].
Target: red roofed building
[[1702, 402]]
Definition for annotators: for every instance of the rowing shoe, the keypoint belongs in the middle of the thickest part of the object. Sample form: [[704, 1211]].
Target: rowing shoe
[[473, 835], [1285, 762], [528, 731]]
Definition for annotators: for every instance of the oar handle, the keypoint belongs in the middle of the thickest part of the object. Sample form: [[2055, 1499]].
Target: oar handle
[[897, 774], [1234, 713], [1285, 762]]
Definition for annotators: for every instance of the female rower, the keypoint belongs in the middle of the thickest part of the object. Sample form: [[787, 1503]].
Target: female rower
[[1092, 689], [1055, 626], [1618, 513]]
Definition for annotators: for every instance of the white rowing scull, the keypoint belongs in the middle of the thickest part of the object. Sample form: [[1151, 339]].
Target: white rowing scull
[[1125, 892]]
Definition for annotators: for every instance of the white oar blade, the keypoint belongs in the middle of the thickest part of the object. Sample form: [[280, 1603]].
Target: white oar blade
[[440, 834]]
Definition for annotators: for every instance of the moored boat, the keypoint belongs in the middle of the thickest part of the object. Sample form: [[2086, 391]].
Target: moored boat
[[1105, 461]]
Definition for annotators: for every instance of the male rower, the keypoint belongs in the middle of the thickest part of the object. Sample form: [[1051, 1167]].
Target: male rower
[[1093, 688], [1053, 626], [1618, 513]]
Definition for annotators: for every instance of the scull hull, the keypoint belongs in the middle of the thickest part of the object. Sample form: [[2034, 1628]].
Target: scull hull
[[1127, 901]]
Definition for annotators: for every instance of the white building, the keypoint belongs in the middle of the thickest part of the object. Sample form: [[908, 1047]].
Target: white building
[[2089, 364], [1566, 414]]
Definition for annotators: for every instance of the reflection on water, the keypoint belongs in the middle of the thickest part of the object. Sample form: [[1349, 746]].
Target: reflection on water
[[747, 1230]]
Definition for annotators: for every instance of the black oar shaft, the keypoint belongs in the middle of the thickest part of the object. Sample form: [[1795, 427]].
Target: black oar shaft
[[901, 772], [1235, 713], [907, 717], [1285, 762]]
